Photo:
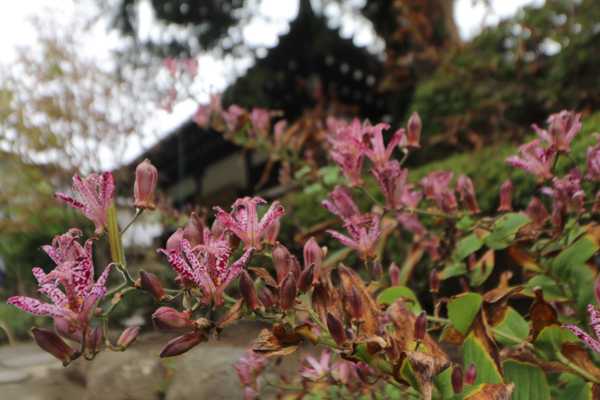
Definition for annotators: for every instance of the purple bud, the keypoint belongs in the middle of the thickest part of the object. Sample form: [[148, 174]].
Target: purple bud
[[394, 275], [182, 344], [356, 305], [96, 338], [271, 232], [248, 292], [470, 374], [128, 337], [336, 329], [313, 255], [414, 130], [377, 270], [471, 262], [507, 191], [174, 242], [457, 379], [295, 268], [288, 292], [194, 231], [464, 186], [464, 286], [306, 278], [421, 326], [537, 212], [151, 284], [434, 282], [281, 261], [217, 229], [169, 320], [68, 328], [51, 343], [145, 183], [266, 297]]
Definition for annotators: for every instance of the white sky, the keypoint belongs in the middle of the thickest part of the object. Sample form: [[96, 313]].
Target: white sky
[[263, 31]]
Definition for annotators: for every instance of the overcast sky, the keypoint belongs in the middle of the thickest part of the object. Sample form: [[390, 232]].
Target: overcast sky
[[263, 31]]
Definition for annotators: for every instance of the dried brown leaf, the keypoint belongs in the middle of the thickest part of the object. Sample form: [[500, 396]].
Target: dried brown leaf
[[325, 298], [480, 329], [426, 367], [452, 335], [264, 275], [542, 314], [493, 391], [578, 356], [233, 314], [521, 354], [371, 311]]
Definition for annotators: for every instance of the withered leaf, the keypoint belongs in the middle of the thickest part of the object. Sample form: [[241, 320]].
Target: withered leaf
[[542, 314], [578, 356], [281, 342], [425, 367], [521, 354], [268, 345], [492, 391], [264, 275], [404, 322], [326, 299], [451, 335], [233, 314], [371, 310], [493, 299], [481, 331]]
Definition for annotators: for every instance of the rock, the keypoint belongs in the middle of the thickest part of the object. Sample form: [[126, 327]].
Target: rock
[[206, 373], [125, 376], [12, 376]]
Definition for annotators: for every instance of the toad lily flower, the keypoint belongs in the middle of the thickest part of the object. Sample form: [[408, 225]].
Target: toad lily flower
[[348, 149], [245, 224], [340, 203], [76, 277], [209, 268], [563, 128], [585, 338], [568, 191], [318, 368], [593, 160], [96, 192], [391, 179], [361, 240], [378, 153], [536, 160]]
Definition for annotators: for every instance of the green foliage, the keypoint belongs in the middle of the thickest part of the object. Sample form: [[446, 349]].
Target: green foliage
[[530, 380], [463, 309]]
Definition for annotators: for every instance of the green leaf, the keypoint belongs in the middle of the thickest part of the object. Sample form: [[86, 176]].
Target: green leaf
[[463, 309], [552, 290], [467, 246], [456, 269], [574, 389], [530, 380], [513, 324], [443, 383], [478, 274], [302, 171], [474, 351], [573, 257], [506, 229], [465, 224], [549, 342], [390, 295]]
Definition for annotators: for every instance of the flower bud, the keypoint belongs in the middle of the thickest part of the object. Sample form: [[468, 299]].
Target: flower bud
[[288, 292], [336, 329], [470, 374], [434, 281], [356, 305], [457, 379], [248, 292], [194, 231], [128, 337], [217, 229], [281, 261], [145, 183], [537, 212], [295, 268], [464, 286], [67, 328], [174, 242], [152, 285], [414, 130], [392, 352], [170, 320], [394, 275], [306, 279], [266, 297], [377, 270], [596, 207], [464, 186], [271, 232], [507, 191], [51, 343], [313, 255], [182, 344], [95, 339], [421, 326]]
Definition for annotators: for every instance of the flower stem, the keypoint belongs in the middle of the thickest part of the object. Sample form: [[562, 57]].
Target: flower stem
[[362, 189], [432, 214], [117, 289], [138, 212]]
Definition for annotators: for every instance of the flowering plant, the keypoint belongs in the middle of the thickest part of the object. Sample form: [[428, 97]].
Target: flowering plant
[[379, 342]]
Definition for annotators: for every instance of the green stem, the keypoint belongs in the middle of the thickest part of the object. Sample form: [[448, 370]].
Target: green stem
[[114, 306], [117, 289], [432, 214], [138, 212], [564, 361], [283, 386], [362, 189], [440, 320], [313, 315]]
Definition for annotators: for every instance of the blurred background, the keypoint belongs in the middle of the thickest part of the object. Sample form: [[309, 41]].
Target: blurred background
[[85, 86]]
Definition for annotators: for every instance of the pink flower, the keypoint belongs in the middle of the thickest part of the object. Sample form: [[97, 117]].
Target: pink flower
[[464, 186], [75, 272], [435, 182], [245, 224], [537, 212], [361, 240], [585, 338], [506, 195], [172, 64], [203, 116], [348, 149], [96, 193], [261, 123], [593, 160], [391, 179], [209, 268], [250, 368], [378, 153], [317, 369], [191, 65], [235, 117], [414, 130], [568, 191], [563, 128], [410, 197], [341, 204], [536, 160], [411, 223]]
